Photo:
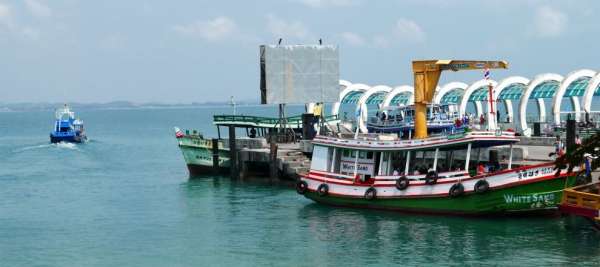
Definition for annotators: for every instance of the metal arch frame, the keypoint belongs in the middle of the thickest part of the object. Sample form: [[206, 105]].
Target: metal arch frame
[[524, 129], [447, 88], [562, 89], [589, 93], [351, 88], [396, 91], [362, 104], [505, 83]]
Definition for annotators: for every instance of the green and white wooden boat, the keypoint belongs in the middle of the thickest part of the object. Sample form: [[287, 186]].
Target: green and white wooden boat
[[376, 172], [198, 151]]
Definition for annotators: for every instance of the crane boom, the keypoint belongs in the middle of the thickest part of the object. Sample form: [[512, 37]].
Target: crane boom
[[426, 77]]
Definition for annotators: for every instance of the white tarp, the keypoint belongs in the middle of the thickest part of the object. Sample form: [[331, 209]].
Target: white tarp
[[299, 74]]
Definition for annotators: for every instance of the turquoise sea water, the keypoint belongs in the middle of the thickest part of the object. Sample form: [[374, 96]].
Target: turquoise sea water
[[124, 199]]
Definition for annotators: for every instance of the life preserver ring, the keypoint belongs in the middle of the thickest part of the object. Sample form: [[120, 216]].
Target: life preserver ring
[[371, 193], [402, 183], [431, 178], [456, 190], [301, 187], [323, 190], [481, 186]]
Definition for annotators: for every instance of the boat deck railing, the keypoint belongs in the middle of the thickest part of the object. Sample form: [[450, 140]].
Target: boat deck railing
[[259, 121], [583, 196]]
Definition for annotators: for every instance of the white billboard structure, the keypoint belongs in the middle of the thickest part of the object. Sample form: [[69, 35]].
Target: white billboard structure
[[299, 74]]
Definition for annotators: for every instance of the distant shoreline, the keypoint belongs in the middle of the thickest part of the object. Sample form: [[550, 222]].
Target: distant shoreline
[[120, 105]]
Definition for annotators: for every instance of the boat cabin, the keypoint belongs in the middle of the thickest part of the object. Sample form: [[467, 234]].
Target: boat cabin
[[381, 155]]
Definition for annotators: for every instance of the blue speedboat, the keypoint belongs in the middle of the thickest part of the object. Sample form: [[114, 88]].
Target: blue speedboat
[[67, 128]]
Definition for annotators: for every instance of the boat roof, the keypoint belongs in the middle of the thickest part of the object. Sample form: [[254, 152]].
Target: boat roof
[[246, 121], [390, 142]]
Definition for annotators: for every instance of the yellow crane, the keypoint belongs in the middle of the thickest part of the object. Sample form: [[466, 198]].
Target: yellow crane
[[427, 75]]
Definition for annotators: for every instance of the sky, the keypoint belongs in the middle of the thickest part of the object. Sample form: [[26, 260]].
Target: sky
[[197, 51]]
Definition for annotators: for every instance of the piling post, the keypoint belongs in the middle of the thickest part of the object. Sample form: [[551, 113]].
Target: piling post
[[233, 162], [273, 168], [215, 154]]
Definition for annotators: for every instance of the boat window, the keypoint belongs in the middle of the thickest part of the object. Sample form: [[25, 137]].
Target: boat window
[[369, 155], [362, 155], [346, 153], [319, 160]]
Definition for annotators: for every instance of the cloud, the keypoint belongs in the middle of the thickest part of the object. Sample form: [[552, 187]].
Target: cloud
[[217, 29], [408, 31], [329, 3], [30, 33], [38, 9], [550, 22], [286, 29], [6, 17], [381, 42], [353, 38]]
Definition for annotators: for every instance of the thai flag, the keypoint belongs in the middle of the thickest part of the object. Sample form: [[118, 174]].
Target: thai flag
[[486, 73], [178, 133]]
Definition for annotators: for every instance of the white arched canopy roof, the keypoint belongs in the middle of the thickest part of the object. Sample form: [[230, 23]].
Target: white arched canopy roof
[[593, 85], [362, 103], [472, 88], [344, 84], [403, 89], [509, 83], [372, 91], [447, 88], [506, 82], [539, 79], [355, 87], [562, 89]]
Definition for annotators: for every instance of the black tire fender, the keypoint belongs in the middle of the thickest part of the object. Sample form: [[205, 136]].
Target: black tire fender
[[402, 183], [323, 190], [481, 186], [371, 193], [301, 187], [456, 190], [581, 179]]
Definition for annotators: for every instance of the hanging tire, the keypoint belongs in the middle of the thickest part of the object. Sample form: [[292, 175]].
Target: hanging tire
[[402, 183], [301, 187], [456, 190], [581, 179], [371, 193], [431, 178], [481, 186], [323, 190]]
